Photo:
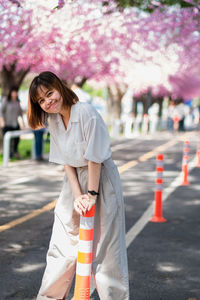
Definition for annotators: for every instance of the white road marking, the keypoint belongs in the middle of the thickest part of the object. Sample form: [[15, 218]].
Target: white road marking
[[144, 219]]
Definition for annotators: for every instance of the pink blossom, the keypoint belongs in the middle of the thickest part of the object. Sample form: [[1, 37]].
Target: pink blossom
[[160, 51]]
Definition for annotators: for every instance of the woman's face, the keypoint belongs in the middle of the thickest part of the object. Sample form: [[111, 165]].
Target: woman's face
[[50, 100], [14, 95]]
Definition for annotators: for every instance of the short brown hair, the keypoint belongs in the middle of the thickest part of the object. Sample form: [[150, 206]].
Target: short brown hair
[[36, 116]]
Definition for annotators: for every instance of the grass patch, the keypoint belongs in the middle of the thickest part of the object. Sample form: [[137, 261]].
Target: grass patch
[[25, 149]]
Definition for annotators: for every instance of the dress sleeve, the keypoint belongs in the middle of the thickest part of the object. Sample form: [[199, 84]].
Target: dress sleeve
[[98, 140]]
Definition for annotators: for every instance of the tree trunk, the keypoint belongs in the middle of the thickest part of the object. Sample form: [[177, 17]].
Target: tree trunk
[[147, 101], [11, 78], [160, 102], [115, 94], [134, 110], [81, 82]]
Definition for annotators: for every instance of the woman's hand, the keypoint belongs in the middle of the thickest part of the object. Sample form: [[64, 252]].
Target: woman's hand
[[84, 203], [91, 200], [81, 204]]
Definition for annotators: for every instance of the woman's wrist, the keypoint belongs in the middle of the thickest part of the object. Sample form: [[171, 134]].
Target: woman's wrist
[[77, 194], [93, 192], [92, 197]]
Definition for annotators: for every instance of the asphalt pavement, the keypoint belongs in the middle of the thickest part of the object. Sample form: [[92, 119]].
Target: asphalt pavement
[[163, 257]]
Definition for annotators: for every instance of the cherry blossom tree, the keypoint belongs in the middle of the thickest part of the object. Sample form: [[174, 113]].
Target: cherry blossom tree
[[171, 50], [157, 51], [25, 42]]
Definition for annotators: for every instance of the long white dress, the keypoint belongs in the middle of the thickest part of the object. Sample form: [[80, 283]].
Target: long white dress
[[86, 138]]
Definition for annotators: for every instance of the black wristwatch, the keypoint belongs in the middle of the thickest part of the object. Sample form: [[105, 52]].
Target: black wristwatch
[[93, 193]]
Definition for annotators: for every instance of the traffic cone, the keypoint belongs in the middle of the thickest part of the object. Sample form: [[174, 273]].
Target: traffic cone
[[84, 258], [158, 192], [185, 163]]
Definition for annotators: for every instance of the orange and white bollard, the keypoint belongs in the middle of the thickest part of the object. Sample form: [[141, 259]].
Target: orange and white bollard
[[198, 151], [185, 163], [158, 192], [84, 258]]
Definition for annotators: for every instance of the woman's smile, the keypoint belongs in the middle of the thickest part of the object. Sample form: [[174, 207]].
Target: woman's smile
[[50, 100], [53, 104]]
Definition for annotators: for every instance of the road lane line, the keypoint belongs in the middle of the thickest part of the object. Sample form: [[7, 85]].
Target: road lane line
[[147, 156], [161, 148], [127, 166], [52, 204], [144, 219], [27, 217]]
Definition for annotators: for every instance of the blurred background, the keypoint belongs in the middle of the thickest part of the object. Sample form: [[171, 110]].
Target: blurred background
[[137, 62]]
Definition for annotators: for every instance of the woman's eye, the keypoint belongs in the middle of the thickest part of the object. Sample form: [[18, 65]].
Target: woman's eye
[[49, 94], [41, 101]]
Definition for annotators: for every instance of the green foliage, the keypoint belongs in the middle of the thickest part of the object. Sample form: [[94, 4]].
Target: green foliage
[[25, 150], [148, 6], [93, 92], [24, 86]]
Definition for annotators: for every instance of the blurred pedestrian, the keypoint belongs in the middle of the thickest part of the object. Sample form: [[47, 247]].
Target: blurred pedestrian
[[10, 112], [181, 113], [79, 140], [170, 117], [38, 134]]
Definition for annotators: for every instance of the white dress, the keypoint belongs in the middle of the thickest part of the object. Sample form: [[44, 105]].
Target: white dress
[[86, 138]]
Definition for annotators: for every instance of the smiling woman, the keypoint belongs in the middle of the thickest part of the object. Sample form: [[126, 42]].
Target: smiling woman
[[79, 140], [48, 94]]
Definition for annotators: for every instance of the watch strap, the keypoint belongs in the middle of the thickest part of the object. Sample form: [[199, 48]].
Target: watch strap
[[93, 193]]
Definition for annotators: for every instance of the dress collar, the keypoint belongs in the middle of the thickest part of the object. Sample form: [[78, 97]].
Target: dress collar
[[74, 117]]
